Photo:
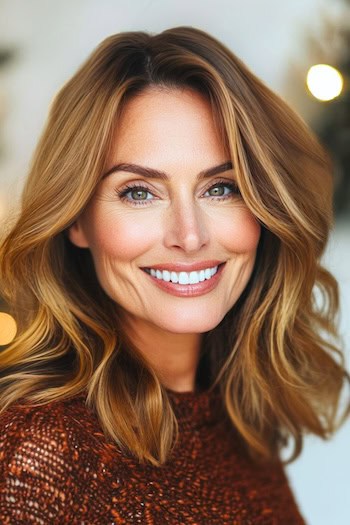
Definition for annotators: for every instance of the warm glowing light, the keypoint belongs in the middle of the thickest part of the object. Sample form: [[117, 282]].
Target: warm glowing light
[[2, 206], [324, 82], [8, 328]]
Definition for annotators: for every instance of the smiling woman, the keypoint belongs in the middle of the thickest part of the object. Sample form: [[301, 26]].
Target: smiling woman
[[174, 214], [162, 272]]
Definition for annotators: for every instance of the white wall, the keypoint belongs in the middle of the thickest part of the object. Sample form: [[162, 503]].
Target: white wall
[[320, 477], [52, 38]]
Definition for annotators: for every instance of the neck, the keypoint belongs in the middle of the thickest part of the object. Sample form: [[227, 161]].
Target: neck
[[173, 356]]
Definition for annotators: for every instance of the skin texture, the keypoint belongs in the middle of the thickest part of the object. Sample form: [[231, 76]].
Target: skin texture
[[181, 220]]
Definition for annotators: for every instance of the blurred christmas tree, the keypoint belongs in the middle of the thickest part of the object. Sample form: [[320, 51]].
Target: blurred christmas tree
[[332, 123], [6, 56]]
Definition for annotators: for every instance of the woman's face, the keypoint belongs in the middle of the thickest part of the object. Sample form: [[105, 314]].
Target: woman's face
[[171, 239]]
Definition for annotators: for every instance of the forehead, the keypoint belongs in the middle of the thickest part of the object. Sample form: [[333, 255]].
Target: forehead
[[162, 121]]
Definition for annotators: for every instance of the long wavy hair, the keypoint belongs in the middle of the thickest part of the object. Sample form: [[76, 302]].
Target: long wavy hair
[[274, 356]]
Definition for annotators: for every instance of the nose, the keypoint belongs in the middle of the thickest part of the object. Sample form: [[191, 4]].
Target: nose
[[186, 227]]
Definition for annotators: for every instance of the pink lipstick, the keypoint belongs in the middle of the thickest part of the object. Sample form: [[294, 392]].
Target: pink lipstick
[[182, 272]]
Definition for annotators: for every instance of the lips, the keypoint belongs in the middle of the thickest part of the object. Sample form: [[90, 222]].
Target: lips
[[185, 267], [186, 283]]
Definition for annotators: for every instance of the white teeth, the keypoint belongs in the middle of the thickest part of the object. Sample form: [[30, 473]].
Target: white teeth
[[166, 276], [184, 277], [174, 277], [207, 273], [194, 277]]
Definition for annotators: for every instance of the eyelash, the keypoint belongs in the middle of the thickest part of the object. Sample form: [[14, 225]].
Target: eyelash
[[122, 193]]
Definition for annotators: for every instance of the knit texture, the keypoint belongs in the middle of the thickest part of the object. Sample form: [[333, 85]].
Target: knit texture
[[57, 467]]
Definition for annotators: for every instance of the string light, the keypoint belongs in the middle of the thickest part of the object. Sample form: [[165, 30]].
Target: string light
[[8, 328], [324, 82]]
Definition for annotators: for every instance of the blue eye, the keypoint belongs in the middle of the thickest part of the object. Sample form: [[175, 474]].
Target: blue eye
[[140, 195], [135, 194], [222, 189]]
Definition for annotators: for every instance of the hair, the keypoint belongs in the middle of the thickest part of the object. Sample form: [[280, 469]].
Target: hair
[[274, 356]]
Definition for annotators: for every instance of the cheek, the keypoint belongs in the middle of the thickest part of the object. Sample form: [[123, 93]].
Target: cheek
[[241, 232], [120, 236]]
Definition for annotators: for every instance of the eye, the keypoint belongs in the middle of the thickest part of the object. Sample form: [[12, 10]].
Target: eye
[[138, 194], [222, 189], [135, 194]]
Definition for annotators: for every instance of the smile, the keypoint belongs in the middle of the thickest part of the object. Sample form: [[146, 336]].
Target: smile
[[194, 277], [186, 283]]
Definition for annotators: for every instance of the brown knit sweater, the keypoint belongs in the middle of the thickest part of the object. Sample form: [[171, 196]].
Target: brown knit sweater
[[56, 467]]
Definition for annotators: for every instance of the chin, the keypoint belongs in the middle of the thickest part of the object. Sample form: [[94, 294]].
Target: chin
[[189, 324]]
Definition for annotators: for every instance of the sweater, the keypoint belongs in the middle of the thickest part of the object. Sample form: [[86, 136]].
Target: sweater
[[57, 467]]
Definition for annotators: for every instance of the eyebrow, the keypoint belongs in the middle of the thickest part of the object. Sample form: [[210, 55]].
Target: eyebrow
[[151, 173]]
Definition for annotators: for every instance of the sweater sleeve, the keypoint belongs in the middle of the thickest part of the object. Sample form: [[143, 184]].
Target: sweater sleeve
[[36, 469]]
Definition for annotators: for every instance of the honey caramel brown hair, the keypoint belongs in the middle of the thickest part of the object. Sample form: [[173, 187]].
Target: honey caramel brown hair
[[274, 356]]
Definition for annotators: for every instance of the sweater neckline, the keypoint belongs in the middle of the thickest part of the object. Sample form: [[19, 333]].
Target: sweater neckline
[[193, 408], [196, 408]]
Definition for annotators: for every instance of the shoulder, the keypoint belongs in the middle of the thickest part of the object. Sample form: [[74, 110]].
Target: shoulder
[[49, 456], [43, 430], [66, 428]]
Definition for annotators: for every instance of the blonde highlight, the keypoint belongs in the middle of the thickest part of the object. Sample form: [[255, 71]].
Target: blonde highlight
[[279, 376]]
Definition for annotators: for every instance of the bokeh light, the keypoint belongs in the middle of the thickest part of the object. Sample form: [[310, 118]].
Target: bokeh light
[[8, 328], [2, 205], [324, 82]]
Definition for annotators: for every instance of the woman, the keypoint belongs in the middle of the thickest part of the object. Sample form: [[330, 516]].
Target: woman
[[162, 270]]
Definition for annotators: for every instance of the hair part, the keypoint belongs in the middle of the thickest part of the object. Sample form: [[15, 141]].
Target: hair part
[[274, 356]]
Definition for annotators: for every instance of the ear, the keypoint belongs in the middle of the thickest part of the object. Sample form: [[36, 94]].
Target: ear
[[77, 236]]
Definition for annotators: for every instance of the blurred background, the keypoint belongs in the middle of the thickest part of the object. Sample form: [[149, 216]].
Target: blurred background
[[300, 48]]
